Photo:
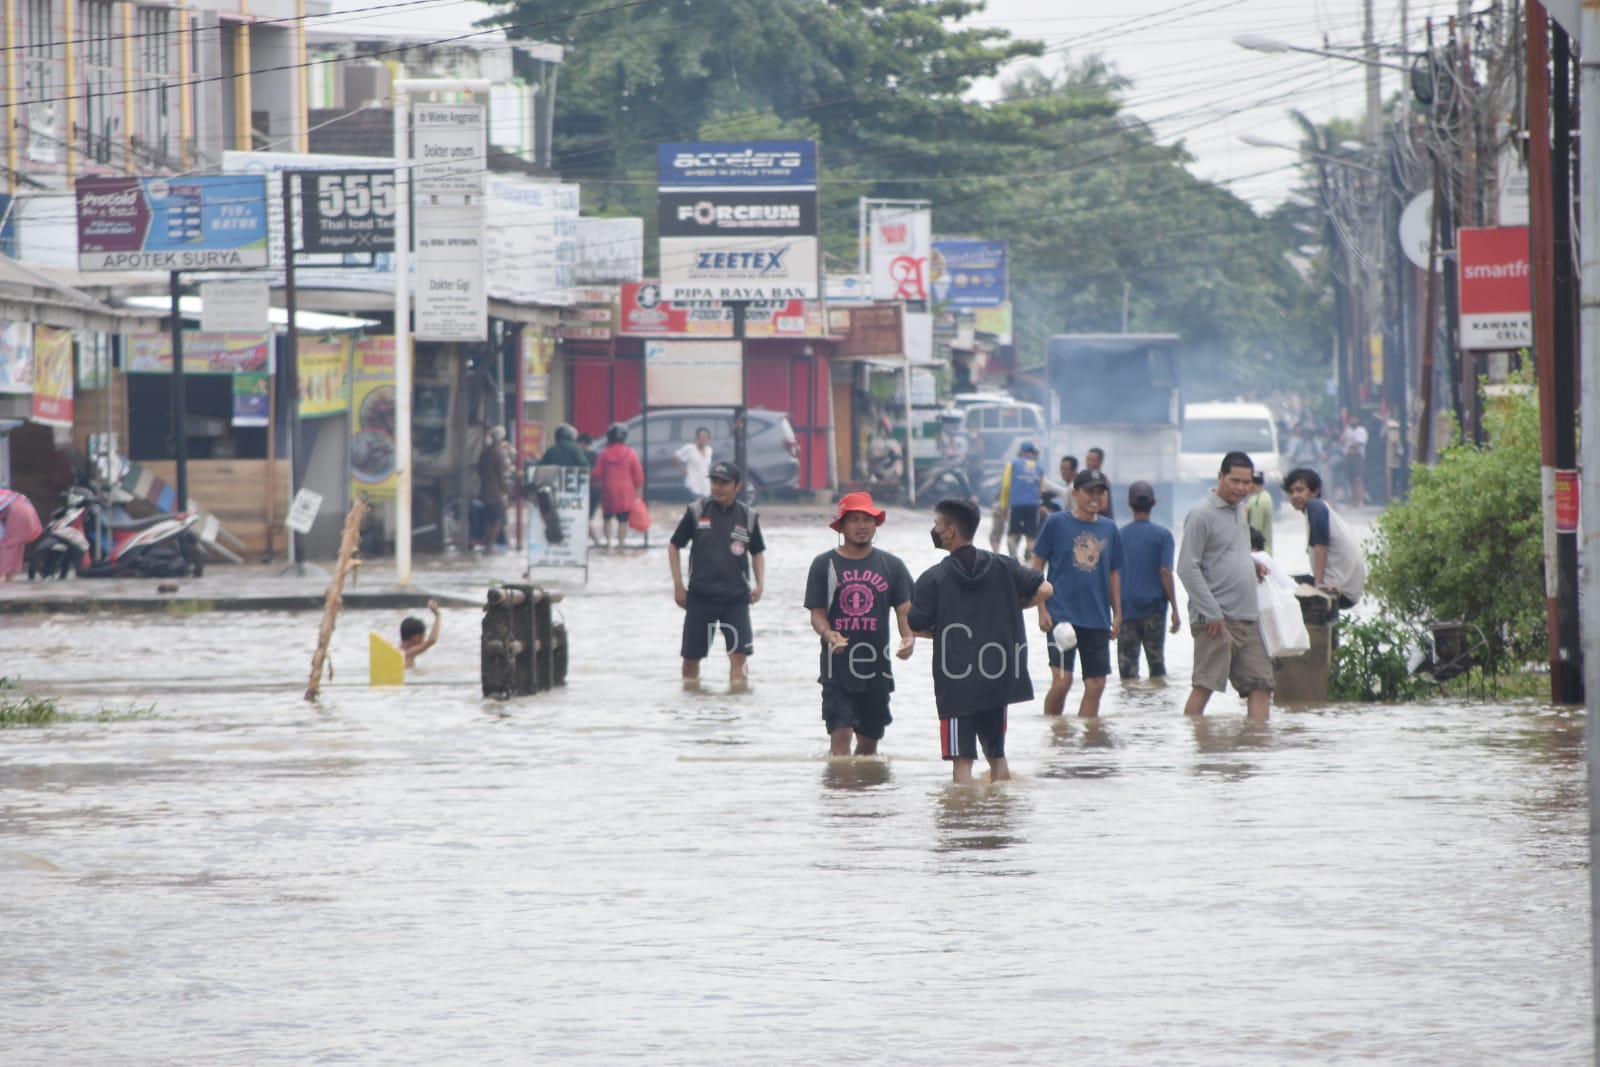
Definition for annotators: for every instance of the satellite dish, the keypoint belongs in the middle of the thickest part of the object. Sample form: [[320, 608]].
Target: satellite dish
[[1416, 228]]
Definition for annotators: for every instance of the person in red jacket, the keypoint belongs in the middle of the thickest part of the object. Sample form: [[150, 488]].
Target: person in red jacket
[[617, 478]]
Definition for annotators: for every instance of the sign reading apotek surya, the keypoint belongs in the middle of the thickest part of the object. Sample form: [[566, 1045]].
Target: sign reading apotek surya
[[1496, 288]]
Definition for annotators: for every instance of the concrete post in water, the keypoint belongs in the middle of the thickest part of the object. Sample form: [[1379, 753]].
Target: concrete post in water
[[1589, 227]]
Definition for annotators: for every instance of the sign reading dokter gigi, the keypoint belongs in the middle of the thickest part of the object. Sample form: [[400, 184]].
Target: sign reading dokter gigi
[[738, 221], [1496, 288], [172, 224]]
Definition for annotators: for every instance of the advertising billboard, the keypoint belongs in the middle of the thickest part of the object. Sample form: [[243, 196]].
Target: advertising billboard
[[1496, 288], [52, 376], [693, 373], [899, 242], [967, 273], [203, 353], [172, 224], [645, 314], [738, 220]]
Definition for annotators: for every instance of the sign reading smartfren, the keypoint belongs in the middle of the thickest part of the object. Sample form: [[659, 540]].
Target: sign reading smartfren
[[172, 224]]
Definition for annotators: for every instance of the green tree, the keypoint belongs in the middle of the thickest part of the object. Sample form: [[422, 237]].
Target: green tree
[[1468, 542]]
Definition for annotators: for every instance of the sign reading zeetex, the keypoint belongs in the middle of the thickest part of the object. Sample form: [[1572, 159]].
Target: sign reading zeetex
[[205, 223], [738, 221]]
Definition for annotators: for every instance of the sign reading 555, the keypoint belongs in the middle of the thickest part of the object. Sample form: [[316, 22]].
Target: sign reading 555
[[347, 210]]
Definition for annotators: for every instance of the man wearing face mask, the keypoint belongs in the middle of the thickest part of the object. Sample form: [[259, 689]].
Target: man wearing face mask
[[971, 605]]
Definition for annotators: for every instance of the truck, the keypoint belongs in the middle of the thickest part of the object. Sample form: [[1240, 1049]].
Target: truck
[[1119, 392]]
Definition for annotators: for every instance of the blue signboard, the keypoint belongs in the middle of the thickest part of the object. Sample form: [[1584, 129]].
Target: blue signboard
[[737, 164], [969, 273], [189, 223]]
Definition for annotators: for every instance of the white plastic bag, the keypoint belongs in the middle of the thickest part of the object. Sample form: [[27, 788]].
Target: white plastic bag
[[1283, 627]]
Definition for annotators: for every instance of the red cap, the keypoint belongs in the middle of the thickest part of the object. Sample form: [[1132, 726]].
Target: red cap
[[861, 502]]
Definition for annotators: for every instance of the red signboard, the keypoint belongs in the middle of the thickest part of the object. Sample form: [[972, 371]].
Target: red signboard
[[1496, 288], [645, 314], [1566, 502]]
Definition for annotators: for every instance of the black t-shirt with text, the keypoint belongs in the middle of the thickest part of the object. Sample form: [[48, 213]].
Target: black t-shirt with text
[[860, 596]]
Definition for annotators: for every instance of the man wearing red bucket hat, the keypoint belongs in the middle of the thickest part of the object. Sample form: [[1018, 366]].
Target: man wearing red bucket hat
[[850, 593]]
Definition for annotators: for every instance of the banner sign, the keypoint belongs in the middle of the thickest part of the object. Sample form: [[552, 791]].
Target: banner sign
[[738, 220], [1568, 492], [234, 307], [324, 376], [452, 301], [899, 243], [52, 376], [1496, 288], [645, 314], [203, 353], [693, 373], [737, 164], [450, 150], [569, 495], [372, 456], [537, 348], [196, 223], [698, 214], [251, 398], [346, 210], [969, 273], [16, 357]]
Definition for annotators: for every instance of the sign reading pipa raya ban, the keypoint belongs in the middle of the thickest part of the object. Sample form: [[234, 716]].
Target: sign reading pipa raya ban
[[172, 224], [738, 220]]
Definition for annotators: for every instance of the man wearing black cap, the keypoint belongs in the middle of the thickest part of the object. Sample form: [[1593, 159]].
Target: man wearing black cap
[[1083, 552], [1147, 588], [727, 547]]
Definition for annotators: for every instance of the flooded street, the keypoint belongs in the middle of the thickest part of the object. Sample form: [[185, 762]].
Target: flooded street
[[624, 872]]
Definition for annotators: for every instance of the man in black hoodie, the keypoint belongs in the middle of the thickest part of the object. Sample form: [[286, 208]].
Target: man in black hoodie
[[971, 604]]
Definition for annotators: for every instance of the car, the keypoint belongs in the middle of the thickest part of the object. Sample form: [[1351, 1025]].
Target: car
[[773, 451], [999, 425], [1212, 430]]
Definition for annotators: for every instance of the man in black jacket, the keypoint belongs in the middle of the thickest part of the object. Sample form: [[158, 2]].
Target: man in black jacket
[[971, 604]]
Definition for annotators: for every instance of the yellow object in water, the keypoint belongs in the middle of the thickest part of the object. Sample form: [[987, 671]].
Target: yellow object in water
[[388, 663]]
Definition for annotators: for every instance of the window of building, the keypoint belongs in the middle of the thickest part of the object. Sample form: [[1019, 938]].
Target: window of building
[[45, 136], [157, 46], [102, 113]]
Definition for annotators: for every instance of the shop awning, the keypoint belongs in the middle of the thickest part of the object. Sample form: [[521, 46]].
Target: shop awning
[[29, 294]]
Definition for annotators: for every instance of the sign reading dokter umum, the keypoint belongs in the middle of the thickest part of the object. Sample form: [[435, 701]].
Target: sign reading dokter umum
[[738, 220]]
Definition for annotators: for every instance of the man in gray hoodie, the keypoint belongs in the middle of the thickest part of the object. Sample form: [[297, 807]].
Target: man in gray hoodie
[[1220, 577]]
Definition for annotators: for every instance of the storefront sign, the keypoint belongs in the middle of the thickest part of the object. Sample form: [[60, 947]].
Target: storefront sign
[[52, 376], [372, 454], [969, 273], [452, 302], [569, 489], [203, 353], [609, 251], [324, 376], [172, 224], [737, 164], [1496, 288], [695, 214], [645, 314], [899, 243], [16, 357], [251, 399], [739, 268], [693, 373], [449, 150], [347, 210]]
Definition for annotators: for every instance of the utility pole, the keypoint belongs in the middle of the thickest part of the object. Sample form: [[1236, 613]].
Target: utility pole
[[1372, 275]]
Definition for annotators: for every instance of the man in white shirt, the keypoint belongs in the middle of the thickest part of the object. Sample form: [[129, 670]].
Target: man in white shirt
[[694, 463]]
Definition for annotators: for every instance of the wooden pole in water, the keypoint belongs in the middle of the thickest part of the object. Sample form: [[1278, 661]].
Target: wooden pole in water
[[349, 542]]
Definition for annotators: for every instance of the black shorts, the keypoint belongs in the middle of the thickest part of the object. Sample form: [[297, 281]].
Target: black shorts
[[960, 737], [703, 617], [1093, 645], [1024, 521], [620, 516], [865, 713]]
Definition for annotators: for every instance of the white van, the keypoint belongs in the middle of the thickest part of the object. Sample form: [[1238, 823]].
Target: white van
[[1211, 431]]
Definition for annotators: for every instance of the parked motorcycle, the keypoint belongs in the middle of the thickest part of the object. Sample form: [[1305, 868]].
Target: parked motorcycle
[[92, 536]]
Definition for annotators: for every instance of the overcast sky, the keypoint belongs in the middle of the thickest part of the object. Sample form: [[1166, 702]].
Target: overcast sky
[[1191, 82]]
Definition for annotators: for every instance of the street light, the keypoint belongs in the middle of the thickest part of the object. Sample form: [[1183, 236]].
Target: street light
[[1257, 141], [1272, 46], [403, 88]]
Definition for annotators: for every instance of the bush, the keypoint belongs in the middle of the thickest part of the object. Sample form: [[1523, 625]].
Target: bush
[[1370, 662], [1468, 543]]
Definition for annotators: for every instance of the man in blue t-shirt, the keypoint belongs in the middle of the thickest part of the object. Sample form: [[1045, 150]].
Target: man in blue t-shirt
[[1084, 554], [1147, 588]]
